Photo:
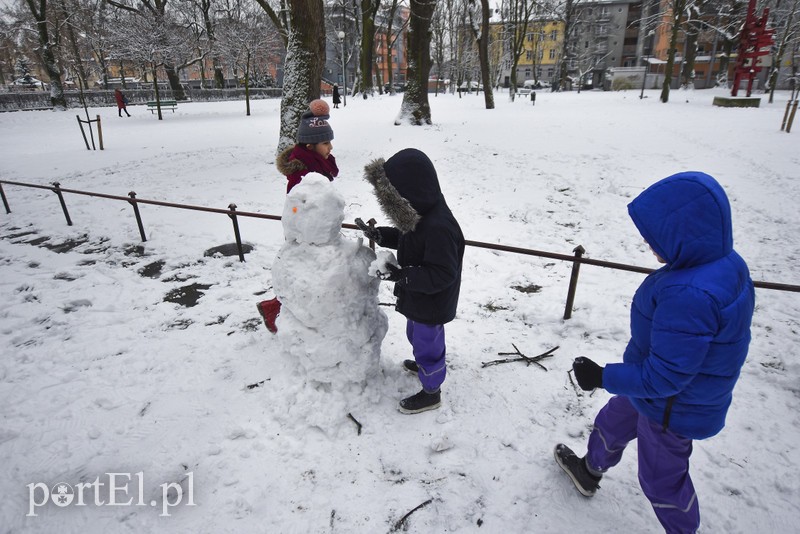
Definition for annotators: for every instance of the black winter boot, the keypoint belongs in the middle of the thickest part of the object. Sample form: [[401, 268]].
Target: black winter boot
[[421, 402], [575, 468], [411, 366]]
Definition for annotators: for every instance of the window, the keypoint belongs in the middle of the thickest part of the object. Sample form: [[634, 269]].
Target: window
[[530, 37], [550, 72], [541, 54], [528, 55], [527, 73], [552, 54], [554, 35]]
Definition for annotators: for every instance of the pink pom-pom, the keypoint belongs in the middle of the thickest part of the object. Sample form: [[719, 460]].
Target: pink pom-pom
[[319, 107]]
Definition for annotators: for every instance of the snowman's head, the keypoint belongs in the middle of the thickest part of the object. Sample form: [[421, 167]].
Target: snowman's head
[[313, 212]]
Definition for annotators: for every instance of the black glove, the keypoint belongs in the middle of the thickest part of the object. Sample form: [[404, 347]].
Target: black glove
[[394, 273], [373, 234], [588, 374]]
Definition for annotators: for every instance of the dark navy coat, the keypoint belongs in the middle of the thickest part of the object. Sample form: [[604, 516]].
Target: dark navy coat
[[429, 243], [690, 320]]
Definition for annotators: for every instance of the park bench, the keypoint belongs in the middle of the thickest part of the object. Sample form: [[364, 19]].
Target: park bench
[[152, 105]]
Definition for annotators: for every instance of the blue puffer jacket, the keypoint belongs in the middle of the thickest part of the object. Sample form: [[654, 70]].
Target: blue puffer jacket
[[690, 320]]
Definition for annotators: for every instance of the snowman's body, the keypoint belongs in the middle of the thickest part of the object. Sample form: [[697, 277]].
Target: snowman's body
[[330, 321]]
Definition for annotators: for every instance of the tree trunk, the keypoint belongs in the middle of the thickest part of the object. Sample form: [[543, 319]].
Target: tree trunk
[[678, 6], [174, 82], [690, 53], [368, 9], [777, 58], [247, 83], [48, 58], [155, 88], [415, 108], [563, 74], [483, 54], [305, 57]]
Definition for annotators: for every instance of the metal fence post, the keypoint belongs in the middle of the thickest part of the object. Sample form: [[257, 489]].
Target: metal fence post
[[57, 191], [5, 200], [573, 281], [232, 215], [135, 205]]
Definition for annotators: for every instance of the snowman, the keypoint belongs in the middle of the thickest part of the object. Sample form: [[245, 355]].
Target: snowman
[[330, 323]]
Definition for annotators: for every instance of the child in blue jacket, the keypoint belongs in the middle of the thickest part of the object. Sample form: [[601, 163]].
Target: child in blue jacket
[[690, 332]]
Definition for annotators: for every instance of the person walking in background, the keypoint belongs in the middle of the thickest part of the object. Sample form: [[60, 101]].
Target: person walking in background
[[337, 98], [690, 333], [122, 102], [430, 253], [312, 153]]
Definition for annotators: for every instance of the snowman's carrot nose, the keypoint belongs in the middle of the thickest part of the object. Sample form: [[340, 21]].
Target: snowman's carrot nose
[[294, 209]]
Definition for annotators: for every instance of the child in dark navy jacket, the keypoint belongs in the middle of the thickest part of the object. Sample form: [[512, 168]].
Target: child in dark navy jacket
[[690, 332], [430, 251]]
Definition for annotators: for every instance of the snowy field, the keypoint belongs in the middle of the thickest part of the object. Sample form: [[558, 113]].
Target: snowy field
[[102, 371]]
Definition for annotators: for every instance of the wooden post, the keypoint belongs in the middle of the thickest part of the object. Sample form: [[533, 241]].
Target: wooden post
[[786, 114], [100, 132], [791, 117], [573, 282]]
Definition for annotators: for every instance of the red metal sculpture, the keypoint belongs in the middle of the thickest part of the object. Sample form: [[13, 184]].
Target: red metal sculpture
[[756, 41]]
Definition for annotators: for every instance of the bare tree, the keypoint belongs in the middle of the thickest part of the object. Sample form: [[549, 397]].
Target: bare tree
[[151, 40], [46, 52], [786, 17], [415, 108], [156, 10], [517, 17], [480, 31], [245, 41], [678, 10]]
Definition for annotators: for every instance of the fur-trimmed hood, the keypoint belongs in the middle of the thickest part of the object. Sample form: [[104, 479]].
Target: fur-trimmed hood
[[287, 167], [406, 187]]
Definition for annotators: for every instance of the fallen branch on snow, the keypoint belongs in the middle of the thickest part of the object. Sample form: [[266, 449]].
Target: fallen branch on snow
[[399, 524], [521, 358]]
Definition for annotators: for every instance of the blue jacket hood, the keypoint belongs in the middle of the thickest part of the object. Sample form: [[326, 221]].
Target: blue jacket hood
[[685, 218]]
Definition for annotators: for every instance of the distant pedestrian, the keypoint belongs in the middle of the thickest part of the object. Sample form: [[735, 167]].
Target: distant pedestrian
[[122, 102], [337, 98], [690, 331]]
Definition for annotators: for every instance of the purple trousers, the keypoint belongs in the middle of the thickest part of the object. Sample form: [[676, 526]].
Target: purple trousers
[[427, 343], [663, 462]]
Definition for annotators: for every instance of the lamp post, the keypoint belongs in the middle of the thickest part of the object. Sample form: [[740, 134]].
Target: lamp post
[[344, 70]]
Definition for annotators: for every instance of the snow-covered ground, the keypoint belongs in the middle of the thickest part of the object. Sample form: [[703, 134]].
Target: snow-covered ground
[[99, 374]]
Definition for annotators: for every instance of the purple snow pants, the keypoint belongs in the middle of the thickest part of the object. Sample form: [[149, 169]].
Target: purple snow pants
[[427, 342], [663, 462]]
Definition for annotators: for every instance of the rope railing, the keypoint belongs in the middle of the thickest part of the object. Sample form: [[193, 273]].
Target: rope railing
[[576, 259]]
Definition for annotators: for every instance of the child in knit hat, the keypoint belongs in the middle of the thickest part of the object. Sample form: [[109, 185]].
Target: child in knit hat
[[312, 153]]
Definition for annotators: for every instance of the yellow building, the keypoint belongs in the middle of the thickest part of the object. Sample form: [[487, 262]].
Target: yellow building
[[541, 51]]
